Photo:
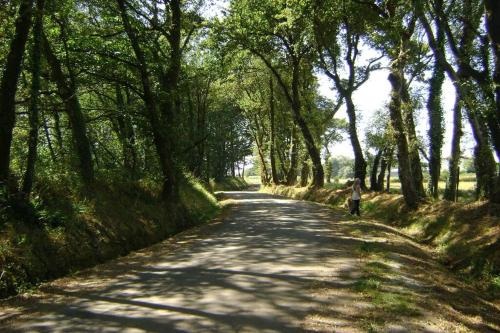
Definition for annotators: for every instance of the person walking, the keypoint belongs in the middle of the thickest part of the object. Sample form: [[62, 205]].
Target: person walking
[[356, 196]]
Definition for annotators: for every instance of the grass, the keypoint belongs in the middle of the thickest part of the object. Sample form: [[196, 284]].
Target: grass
[[374, 285], [227, 184], [66, 231]]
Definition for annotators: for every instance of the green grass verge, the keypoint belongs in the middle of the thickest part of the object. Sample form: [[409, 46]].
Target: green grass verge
[[227, 184]]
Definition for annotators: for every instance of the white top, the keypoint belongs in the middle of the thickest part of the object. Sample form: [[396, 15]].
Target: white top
[[355, 194]]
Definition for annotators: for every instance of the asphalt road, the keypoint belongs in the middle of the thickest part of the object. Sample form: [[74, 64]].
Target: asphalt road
[[269, 265]]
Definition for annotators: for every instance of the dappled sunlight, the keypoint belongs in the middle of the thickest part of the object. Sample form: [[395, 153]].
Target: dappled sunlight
[[271, 265]]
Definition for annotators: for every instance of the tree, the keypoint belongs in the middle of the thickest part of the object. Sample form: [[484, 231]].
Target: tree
[[35, 87], [8, 84]]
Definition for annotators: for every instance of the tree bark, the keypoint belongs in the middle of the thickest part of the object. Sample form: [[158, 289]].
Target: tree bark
[[312, 149], [493, 26], [389, 169], [374, 185], [452, 184], [126, 134], [435, 112], [291, 177], [272, 156], [405, 173], [68, 92], [384, 163], [304, 173], [327, 165], [436, 128], [47, 137], [483, 157], [359, 160], [8, 85], [264, 174], [416, 165], [492, 8], [29, 174]]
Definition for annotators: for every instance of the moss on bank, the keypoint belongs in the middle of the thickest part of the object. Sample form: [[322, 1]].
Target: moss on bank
[[62, 231], [464, 236]]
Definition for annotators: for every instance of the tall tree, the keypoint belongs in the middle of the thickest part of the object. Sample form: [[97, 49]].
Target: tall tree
[[435, 112], [8, 84], [35, 87]]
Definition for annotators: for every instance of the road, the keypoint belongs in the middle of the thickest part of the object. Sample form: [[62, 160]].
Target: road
[[270, 264]]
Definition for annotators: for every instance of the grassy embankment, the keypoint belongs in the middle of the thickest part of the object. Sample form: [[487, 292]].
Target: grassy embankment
[[227, 184], [63, 231], [464, 236]]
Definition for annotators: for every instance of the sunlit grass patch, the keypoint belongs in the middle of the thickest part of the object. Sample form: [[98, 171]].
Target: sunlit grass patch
[[227, 184], [394, 303], [494, 287], [371, 249], [367, 284]]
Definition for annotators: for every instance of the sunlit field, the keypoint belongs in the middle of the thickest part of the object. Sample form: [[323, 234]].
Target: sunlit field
[[466, 185]]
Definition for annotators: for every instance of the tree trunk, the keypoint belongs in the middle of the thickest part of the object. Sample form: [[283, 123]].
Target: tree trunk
[[291, 177], [126, 133], [483, 157], [374, 185], [492, 10], [272, 156], [8, 85], [328, 167], [416, 165], [304, 173], [383, 166], [67, 90], [264, 175], [200, 132], [312, 149], [29, 175], [389, 169], [170, 100], [493, 26], [57, 128], [405, 173], [452, 184], [47, 137], [359, 160], [436, 124]]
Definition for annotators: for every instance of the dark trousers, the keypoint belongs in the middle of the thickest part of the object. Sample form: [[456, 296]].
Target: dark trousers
[[355, 207]]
